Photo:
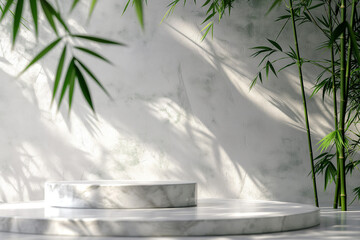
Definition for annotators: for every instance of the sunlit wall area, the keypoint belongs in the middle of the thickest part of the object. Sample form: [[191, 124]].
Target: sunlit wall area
[[181, 108]]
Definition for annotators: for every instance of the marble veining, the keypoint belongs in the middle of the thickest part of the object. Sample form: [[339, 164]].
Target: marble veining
[[120, 194], [210, 217]]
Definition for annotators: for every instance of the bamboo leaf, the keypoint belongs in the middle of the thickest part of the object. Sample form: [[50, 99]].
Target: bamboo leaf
[[139, 12], [287, 17], [286, 66], [46, 50], [266, 56], [172, 6], [318, 87], [6, 8], [262, 47], [323, 21], [71, 89], [258, 53], [166, 14], [253, 83], [17, 19], [212, 31], [337, 32], [339, 140], [210, 16], [351, 166], [58, 73], [275, 3], [316, 6], [48, 15], [323, 161], [97, 39], [275, 44], [75, 2], [330, 174], [260, 77], [292, 54], [211, 8], [87, 70], [61, 21], [84, 88], [267, 69], [173, 3], [356, 192], [327, 178], [70, 75], [307, 17], [207, 27], [327, 140], [126, 6], [92, 7], [272, 68], [206, 3], [90, 52], [53, 13], [356, 52], [34, 13], [321, 156]]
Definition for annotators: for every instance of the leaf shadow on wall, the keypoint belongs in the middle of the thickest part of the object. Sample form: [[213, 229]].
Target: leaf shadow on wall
[[245, 157], [32, 152], [175, 101]]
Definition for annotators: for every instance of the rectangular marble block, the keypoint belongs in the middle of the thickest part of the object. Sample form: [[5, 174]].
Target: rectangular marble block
[[120, 194]]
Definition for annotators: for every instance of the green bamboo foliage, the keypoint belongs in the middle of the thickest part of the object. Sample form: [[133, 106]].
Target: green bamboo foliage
[[299, 64], [333, 78], [138, 4], [342, 109], [302, 14], [345, 82], [346, 69], [76, 72]]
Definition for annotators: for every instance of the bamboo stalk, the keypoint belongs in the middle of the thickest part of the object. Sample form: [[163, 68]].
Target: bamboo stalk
[[336, 195], [337, 186], [348, 60], [342, 110], [299, 64], [347, 83]]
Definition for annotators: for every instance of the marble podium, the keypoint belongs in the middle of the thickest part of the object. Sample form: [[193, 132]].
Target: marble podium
[[120, 194], [167, 209]]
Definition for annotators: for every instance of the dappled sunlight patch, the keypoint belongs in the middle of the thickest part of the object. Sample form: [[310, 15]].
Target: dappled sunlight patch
[[276, 103], [218, 163]]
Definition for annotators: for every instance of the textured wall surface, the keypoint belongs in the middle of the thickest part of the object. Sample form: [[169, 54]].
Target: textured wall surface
[[181, 108]]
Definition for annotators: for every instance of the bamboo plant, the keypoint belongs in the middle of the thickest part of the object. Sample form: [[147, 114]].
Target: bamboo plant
[[342, 109], [302, 13], [324, 160], [295, 57], [308, 131], [333, 78], [346, 72]]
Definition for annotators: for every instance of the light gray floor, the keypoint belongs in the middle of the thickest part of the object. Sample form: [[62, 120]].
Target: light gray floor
[[334, 225]]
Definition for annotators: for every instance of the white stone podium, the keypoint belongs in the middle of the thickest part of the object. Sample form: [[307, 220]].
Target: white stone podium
[[120, 194], [144, 209]]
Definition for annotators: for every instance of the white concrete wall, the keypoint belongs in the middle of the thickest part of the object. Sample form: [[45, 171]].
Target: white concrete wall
[[181, 110]]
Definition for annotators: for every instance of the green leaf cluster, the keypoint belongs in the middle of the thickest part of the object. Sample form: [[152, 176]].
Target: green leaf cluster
[[326, 17], [77, 72]]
